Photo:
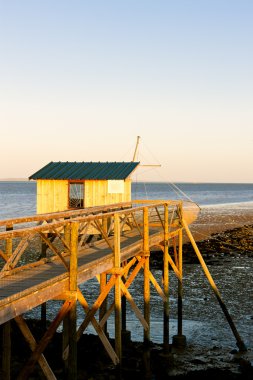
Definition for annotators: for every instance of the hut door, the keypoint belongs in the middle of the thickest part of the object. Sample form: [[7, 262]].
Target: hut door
[[76, 195]]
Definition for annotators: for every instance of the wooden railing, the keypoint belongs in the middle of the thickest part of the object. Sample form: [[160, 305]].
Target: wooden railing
[[49, 239]]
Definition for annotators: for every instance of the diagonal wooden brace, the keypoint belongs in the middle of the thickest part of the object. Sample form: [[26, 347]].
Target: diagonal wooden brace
[[28, 368], [96, 306], [33, 344]]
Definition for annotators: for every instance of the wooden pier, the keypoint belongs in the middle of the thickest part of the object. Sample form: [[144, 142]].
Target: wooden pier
[[46, 257]]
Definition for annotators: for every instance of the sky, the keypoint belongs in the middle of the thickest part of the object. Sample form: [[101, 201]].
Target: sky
[[80, 80]]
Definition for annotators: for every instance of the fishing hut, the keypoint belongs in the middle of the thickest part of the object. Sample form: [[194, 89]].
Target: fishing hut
[[74, 185]]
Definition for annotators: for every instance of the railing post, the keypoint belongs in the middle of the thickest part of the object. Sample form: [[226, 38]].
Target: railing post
[[117, 289], [146, 253], [166, 279], [8, 248]]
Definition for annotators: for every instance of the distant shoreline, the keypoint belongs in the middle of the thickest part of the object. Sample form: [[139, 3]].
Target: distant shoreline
[[14, 180], [133, 181]]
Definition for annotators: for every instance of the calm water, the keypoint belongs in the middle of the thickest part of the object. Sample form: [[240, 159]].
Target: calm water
[[19, 198]]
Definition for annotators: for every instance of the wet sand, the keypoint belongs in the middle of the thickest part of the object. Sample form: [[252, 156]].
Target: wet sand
[[216, 219]]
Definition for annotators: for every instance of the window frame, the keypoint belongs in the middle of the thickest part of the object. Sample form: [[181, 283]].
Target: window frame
[[73, 182]]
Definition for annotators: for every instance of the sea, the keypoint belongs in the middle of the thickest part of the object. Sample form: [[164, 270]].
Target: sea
[[18, 198]]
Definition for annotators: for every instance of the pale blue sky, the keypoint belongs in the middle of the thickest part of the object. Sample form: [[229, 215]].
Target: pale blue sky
[[81, 79]]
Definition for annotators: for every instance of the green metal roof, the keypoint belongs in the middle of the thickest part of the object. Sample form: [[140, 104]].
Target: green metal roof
[[85, 170]]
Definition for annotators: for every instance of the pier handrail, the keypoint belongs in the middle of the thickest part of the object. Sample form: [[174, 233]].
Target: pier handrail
[[18, 241], [10, 222], [87, 217]]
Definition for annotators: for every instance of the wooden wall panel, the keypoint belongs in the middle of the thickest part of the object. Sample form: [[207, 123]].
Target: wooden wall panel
[[52, 195], [61, 191], [96, 193]]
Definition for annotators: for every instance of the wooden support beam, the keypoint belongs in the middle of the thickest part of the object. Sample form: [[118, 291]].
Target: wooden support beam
[[43, 310], [117, 289], [172, 264], [28, 368], [32, 343], [6, 328], [166, 279], [66, 321], [96, 306], [54, 249], [127, 284], [73, 272], [8, 244], [134, 306], [103, 233], [239, 340], [175, 251], [123, 302], [103, 308], [99, 330], [180, 283], [146, 253], [13, 257]]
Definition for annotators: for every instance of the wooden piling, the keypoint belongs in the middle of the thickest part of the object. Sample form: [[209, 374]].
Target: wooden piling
[[6, 329], [166, 279], [103, 281], [66, 327], [146, 254], [73, 270], [180, 283], [117, 288]]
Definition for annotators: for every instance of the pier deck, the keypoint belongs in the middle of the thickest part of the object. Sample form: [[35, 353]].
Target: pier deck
[[46, 257], [26, 289]]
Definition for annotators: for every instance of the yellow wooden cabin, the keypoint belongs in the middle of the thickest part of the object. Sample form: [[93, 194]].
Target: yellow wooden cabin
[[71, 185]]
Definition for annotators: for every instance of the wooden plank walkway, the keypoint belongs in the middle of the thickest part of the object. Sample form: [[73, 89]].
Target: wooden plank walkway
[[31, 287]]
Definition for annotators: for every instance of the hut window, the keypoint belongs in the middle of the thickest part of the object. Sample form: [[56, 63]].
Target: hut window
[[116, 187], [76, 195]]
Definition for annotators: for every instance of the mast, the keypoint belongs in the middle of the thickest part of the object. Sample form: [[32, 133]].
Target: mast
[[135, 153], [136, 148]]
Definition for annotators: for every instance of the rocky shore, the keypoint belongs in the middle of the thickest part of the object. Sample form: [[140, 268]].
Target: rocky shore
[[139, 361], [200, 358]]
